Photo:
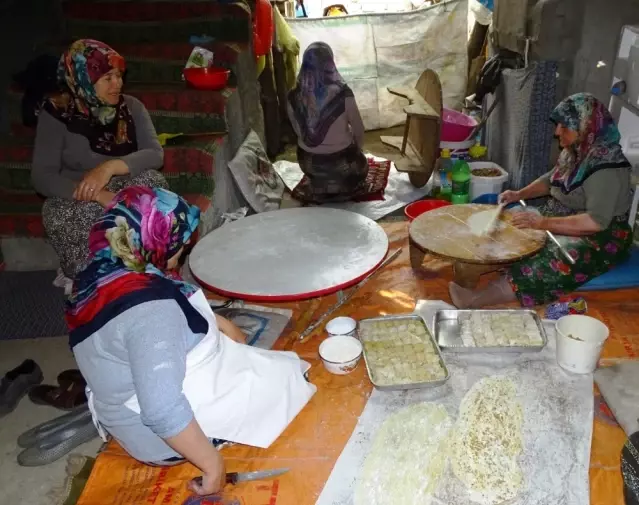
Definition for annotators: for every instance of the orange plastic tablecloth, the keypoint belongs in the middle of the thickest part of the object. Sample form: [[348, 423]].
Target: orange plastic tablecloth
[[312, 443]]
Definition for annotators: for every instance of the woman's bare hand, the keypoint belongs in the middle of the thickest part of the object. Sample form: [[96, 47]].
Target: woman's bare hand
[[94, 181], [528, 220], [104, 198], [213, 480], [509, 197]]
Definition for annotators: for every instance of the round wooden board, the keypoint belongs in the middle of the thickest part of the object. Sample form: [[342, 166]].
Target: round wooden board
[[445, 232], [288, 255]]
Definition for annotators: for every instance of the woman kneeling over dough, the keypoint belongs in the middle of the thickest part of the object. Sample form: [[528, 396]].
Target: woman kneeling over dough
[[168, 378], [590, 198]]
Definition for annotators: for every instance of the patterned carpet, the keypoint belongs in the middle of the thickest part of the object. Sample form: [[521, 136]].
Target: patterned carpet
[[30, 306]]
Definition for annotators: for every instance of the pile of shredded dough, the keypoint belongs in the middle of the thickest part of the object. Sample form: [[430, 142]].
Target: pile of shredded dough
[[488, 440], [408, 458]]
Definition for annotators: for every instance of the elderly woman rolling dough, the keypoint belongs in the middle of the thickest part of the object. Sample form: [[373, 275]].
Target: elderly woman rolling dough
[[590, 198]]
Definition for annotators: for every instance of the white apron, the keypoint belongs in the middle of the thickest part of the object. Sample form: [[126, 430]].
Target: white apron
[[238, 393]]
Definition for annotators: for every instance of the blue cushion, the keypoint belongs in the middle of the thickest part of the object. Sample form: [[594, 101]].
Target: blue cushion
[[622, 276]]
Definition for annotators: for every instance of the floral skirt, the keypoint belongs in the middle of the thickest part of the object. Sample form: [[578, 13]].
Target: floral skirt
[[548, 276]]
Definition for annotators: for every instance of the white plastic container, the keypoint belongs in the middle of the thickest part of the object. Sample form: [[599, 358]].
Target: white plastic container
[[341, 354], [486, 185], [579, 343]]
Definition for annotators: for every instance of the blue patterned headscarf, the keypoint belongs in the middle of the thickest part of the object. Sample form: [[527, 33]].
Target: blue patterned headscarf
[[319, 96], [130, 246], [597, 147]]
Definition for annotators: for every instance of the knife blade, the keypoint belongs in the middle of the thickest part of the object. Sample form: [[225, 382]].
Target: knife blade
[[235, 477]]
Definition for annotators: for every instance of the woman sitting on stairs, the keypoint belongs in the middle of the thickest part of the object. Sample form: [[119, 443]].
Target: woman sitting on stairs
[[91, 141]]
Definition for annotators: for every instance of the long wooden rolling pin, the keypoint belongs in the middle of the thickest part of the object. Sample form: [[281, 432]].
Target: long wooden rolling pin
[[570, 259], [347, 297]]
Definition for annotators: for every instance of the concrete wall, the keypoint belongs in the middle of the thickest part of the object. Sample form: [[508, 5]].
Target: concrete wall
[[601, 29]]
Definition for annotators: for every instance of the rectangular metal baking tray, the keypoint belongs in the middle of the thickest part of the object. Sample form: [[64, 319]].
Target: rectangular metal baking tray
[[448, 332], [416, 385]]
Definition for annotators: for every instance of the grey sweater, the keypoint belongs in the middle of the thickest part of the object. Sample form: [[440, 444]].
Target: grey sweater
[[61, 158], [141, 352], [604, 195]]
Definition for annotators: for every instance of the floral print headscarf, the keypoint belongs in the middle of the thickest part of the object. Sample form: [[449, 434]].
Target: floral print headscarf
[[597, 147], [109, 128], [130, 246]]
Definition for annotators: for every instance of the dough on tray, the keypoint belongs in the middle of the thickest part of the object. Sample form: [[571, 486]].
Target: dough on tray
[[486, 329], [488, 441], [407, 458]]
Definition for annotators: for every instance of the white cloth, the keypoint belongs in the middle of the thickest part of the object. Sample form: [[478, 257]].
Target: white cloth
[[238, 393]]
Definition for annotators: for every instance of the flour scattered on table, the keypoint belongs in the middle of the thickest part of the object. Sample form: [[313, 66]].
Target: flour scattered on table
[[407, 459], [488, 441]]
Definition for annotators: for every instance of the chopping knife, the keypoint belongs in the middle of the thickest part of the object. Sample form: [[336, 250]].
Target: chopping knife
[[235, 477]]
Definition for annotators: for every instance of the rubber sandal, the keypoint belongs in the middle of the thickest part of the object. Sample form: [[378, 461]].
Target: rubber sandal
[[50, 449], [34, 435], [63, 397]]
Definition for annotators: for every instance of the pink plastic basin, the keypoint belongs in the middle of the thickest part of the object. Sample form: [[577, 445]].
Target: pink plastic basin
[[456, 127]]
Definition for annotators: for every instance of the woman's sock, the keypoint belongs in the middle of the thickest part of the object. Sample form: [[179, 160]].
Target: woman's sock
[[497, 292]]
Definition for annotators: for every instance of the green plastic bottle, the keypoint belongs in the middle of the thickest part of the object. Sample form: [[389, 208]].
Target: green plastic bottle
[[461, 183]]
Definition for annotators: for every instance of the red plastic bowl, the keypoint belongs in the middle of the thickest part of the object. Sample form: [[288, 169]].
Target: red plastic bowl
[[210, 78], [417, 208]]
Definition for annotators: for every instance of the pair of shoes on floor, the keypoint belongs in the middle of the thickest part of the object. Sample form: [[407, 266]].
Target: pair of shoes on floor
[[16, 384], [67, 395], [54, 439]]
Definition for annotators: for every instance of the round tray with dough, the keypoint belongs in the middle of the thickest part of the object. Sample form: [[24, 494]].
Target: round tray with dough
[[290, 254], [448, 232]]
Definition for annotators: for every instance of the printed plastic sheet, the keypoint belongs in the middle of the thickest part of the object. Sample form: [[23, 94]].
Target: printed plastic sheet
[[558, 414]]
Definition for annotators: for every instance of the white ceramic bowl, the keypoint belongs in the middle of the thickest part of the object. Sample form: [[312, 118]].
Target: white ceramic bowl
[[341, 326], [340, 354]]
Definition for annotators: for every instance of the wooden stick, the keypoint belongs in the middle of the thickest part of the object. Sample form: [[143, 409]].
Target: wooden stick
[[347, 297], [570, 259]]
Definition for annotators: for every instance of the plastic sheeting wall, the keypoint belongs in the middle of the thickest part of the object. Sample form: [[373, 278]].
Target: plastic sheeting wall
[[375, 51]]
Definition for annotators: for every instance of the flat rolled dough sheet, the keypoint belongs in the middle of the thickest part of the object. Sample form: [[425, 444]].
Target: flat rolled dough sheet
[[407, 459], [488, 441], [479, 221]]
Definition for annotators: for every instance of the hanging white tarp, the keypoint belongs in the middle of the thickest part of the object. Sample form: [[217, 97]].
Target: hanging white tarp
[[375, 51]]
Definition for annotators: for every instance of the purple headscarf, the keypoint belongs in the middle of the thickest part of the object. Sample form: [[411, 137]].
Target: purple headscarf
[[319, 97]]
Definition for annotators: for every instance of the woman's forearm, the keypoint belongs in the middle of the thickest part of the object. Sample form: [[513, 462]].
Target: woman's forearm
[[230, 329], [574, 226], [193, 444], [534, 190]]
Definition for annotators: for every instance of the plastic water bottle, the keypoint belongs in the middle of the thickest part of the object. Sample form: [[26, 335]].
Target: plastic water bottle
[[461, 183], [444, 173]]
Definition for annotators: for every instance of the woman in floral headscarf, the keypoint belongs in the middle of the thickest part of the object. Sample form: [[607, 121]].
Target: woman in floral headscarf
[[168, 378], [330, 132], [91, 142], [590, 198]]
